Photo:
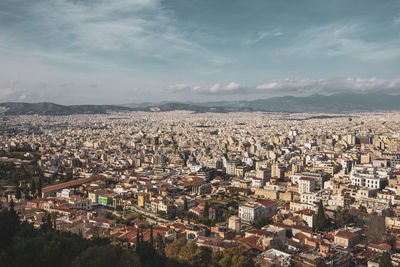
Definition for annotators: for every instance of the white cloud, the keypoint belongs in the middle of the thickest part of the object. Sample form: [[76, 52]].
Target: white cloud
[[270, 85], [263, 35], [4, 92], [215, 88], [218, 88], [232, 86], [183, 88], [342, 39], [303, 86], [137, 28]]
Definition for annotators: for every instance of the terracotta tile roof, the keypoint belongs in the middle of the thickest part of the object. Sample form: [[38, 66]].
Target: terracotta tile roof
[[69, 184], [251, 242], [266, 202], [346, 234]]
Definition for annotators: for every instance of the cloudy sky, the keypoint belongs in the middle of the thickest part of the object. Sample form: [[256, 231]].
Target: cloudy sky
[[123, 51]]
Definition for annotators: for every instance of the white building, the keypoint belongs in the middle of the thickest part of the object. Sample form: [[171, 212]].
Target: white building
[[66, 193], [250, 212], [306, 185], [310, 198], [368, 177]]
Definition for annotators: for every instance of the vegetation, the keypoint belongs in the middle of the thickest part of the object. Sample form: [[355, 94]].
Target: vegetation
[[96, 256], [320, 220], [385, 260], [341, 217], [262, 222], [23, 245], [376, 229], [183, 253]]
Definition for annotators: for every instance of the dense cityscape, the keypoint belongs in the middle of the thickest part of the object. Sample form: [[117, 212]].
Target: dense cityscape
[[206, 189], [201, 133]]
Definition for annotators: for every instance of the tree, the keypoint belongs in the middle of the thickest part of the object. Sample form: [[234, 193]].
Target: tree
[[39, 189], [262, 222], [376, 229], [18, 192], [106, 256], [137, 240], [46, 225], [33, 187], [341, 217], [236, 257], [151, 235], [185, 205], [320, 218], [23, 245], [69, 176], [188, 253], [183, 253], [206, 210], [9, 222], [385, 260], [203, 256], [172, 250]]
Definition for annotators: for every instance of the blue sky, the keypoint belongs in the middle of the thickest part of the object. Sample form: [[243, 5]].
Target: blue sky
[[110, 52]]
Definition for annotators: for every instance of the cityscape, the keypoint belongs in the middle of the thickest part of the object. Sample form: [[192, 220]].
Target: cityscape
[[292, 189], [230, 133]]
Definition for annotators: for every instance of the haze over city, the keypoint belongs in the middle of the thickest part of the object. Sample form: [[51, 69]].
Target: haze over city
[[132, 51]]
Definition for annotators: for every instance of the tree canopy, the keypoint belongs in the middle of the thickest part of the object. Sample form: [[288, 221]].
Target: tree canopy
[[320, 220]]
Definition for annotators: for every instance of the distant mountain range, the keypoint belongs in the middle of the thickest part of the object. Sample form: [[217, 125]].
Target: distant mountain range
[[337, 103], [14, 108]]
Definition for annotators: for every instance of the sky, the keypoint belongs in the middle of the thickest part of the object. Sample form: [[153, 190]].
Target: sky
[[132, 51]]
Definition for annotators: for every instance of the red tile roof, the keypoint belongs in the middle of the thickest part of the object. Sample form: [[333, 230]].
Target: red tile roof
[[346, 234]]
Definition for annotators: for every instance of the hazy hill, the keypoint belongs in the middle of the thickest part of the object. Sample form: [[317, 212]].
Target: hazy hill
[[337, 103], [13, 108]]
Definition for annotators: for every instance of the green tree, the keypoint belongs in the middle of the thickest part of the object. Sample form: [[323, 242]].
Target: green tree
[[236, 257], [172, 250], [203, 256], [106, 256], [9, 222], [341, 217], [69, 176], [188, 253], [376, 229], [320, 218], [39, 189], [206, 210], [151, 235], [33, 187], [385, 260], [18, 192], [262, 222]]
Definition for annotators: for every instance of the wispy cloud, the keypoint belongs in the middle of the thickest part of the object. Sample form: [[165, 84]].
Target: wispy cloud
[[261, 35], [118, 31], [342, 39]]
